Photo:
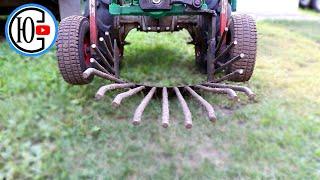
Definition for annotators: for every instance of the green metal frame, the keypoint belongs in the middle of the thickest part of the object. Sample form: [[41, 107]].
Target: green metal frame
[[132, 8], [233, 5]]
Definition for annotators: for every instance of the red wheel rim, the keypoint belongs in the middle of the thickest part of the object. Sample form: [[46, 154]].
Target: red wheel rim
[[86, 50]]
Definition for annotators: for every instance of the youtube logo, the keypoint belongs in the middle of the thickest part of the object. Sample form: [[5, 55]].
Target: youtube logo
[[31, 29], [42, 30]]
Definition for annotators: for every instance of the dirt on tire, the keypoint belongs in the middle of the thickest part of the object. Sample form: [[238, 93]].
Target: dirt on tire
[[71, 60], [243, 30]]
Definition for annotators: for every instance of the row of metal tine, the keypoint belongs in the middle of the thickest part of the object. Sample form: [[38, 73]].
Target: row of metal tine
[[111, 60], [229, 90]]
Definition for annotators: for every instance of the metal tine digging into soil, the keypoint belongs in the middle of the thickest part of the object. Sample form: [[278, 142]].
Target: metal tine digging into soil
[[108, 42], [116, 59], [92, 71], [226, 77], [185, 109], [243, 89], [211, 114], [98, 66], [232, 95], [109, 55], [139, 111], [104, 60], [225, 65], [120, 97], [226, 50], [224, 34], [102, 90], [165, 108]]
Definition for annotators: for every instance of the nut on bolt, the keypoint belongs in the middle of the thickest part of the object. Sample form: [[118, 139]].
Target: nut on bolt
[[197, 3], [156, 1]]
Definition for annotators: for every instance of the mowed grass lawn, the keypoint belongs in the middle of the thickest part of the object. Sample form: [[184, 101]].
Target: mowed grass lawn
[[49, 129]]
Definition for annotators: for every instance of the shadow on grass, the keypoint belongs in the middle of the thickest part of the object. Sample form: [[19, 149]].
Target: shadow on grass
[[160, 65]]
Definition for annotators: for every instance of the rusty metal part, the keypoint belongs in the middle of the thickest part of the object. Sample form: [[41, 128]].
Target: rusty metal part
[[211, 114], [102, 90], [93, 21], [221, 40], [165, 108], [211, 87], [92, 71], [226, 77], [103, 59], [118, 99], [107, 61], [98, 66], [108, 51], [232, 95], [185, 109], [243, 89], [223, 15], [108, 41], [139, 111], [226, 50], [228, 63]]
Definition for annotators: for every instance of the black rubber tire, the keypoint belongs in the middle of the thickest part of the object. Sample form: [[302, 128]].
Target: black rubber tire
[[71, 58], [304, 3], [243, 30], [316, 5]]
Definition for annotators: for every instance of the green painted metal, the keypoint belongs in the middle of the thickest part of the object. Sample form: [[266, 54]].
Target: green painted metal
[[135, 10], [132, 8], [234, 5]]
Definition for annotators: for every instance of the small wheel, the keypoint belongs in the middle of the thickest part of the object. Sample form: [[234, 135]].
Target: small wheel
[[316, 5], [73, 49], [243, 30], [304, 3]]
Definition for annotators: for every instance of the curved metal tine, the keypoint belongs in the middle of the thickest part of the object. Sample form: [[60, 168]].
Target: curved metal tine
[[226, 50], [211, 114], [92, 71], [251, 95], [103, 89], [221, 40], [225, 65], [185, 109], [109, 55], [232, 95], [104, 60], [140, 109], [226, 77], [98, 66], [109, 42], [165, 108], [120, 97]]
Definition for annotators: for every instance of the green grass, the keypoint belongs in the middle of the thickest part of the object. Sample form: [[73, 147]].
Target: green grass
[[310, 12], [49, 129]]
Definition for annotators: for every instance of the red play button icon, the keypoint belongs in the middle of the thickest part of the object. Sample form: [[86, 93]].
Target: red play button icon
[[42, 30]]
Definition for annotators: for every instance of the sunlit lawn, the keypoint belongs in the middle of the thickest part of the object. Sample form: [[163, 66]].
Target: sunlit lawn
[[49, 129]]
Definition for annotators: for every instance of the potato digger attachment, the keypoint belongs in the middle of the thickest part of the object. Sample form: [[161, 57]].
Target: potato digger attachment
[[225, 48]]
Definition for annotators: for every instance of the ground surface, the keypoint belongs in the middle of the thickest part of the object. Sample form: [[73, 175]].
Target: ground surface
[[51, 129], [274, 9]]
